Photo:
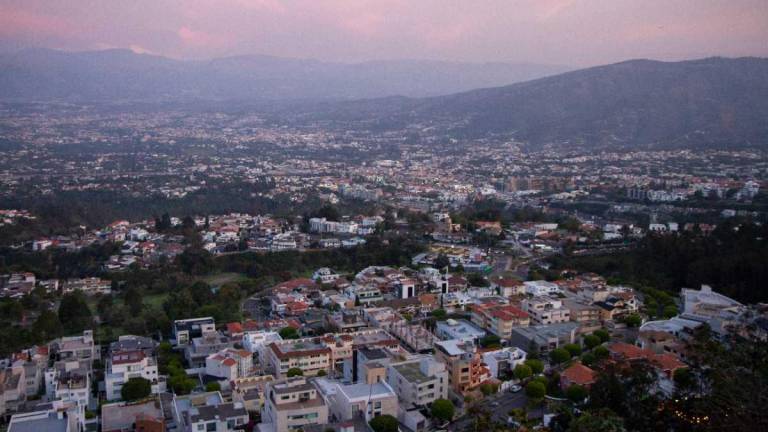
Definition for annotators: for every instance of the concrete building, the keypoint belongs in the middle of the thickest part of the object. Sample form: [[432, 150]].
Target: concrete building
[[499, 318], [358, 401], [459, 329], [292, 404], [546, 310], [229, 364], [466, 370], [208, 412], [503, 361], [124, 365], [544, 337], [186, 330], [541, 288], [418, 382]]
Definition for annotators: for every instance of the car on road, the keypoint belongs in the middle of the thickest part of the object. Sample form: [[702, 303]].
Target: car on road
[[515, 388]]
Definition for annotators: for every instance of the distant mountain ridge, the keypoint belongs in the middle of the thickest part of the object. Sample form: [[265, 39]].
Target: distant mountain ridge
[[713, 102], [44, 74]]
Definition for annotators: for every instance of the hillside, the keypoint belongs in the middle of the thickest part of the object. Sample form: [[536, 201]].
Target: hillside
[[110, 75], [711, 102]]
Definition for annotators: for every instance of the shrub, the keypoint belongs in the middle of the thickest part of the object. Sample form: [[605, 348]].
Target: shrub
[[443, 409]]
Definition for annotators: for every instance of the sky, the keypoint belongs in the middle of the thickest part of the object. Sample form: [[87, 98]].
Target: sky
[[562, 32]]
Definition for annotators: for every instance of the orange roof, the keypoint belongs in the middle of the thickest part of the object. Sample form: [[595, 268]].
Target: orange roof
[[667, 362], [628, 351], [234, 327], [579, 374]]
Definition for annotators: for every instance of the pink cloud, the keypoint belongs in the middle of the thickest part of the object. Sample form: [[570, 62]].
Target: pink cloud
[[16, 21], [202, 39]]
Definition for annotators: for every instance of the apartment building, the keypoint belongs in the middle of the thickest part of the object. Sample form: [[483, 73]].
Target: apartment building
[[124, 365], [208, 412], [229, 364], [358, 401], [499, 318], [186, 330], [466, 370], [418, 382], [503, 361], [459, 329], [546, 310], [292, 404]]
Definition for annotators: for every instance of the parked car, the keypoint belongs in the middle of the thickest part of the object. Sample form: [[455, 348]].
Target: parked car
[[515, 388]]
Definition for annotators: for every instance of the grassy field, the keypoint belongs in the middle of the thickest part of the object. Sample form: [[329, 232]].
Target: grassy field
[[222, 278]]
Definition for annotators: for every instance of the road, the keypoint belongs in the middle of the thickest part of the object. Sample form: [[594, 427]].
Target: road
[[498, 405]]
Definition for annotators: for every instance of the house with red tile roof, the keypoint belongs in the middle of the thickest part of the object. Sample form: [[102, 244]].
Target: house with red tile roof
[[577, 374]]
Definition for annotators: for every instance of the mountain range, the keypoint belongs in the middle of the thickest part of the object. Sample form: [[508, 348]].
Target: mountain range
[[707, 103], [118, 74], [713, 102]]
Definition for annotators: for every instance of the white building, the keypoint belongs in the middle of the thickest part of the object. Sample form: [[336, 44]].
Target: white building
[[325, 275], [418, 382], [503, 360], [541, 288], [229, 364], [124, 365], [546, 310]]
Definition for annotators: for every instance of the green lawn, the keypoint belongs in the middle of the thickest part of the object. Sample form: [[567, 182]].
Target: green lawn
[[222, 278]]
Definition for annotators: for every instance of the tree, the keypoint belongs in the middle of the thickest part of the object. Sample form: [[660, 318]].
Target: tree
[[576, 393], [600, 421], [384, 423], [322, 373], [559, 355], [133, 301], [588, 359], [289, 333], [293, 372], [601, 352], [603, 335], [670, 311], [443, 409], [490, 341], [441, 262], [47, 326], [632, 320], [488, 389], [591, 341], [573, 349], [135, 389], [537, 366], [439, 314], [213, 386], [74, 313], [523, 371], [535, 390]]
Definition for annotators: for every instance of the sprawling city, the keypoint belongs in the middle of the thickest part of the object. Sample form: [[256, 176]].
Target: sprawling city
[[272, 243]]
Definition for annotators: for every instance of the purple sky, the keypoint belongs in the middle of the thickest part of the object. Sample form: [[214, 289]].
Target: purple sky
[[568, 32]]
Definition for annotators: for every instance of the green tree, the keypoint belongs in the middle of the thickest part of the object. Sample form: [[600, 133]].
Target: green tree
[[74, 313], [488, 389], [443, 409], [537, 366], [535, 390], [576, 393], [599, 421], [573, 349], [601, 352], [490, 341], [632, 320], [603, 335], [523, 371], [588, 359], [384, 423], [591, 341], [439, 314], [133, 300], [47, 326], [213, 386], [135, 389], [289, 333], [559, 355], [293, 372]]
